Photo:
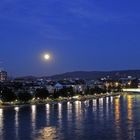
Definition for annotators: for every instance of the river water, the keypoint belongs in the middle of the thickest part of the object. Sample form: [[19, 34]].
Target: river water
[[110, 118]]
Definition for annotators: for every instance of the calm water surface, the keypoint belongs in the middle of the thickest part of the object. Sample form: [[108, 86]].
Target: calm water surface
[[110, 118]]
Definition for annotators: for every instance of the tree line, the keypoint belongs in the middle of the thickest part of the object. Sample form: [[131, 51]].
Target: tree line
[[8, 95]]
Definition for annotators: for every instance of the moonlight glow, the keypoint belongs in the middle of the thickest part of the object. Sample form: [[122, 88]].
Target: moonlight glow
[[47, 56]]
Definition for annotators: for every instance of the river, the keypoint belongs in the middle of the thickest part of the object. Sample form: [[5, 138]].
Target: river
[[110, 118]]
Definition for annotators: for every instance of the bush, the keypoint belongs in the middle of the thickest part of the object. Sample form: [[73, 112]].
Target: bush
[[8, 95], [65, 92], [24, 96], [42, 93]]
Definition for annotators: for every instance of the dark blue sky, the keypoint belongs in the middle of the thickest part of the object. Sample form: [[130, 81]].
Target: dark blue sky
[[80, 34]]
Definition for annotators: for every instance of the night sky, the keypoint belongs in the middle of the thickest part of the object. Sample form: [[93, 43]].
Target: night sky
[[79, 34]]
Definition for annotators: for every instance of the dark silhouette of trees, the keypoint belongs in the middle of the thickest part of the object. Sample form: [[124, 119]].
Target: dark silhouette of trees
[[97, 90], [87, 90], [18, 85], [56, 94], [7, 95], [42, 93], [24, 96], [70, 92], [134, 83], [64, 92]]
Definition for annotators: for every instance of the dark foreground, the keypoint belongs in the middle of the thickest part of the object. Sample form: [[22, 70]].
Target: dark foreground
[[109, 118]]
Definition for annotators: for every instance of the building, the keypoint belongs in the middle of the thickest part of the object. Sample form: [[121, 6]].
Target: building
[[129, 82], [3, 75]]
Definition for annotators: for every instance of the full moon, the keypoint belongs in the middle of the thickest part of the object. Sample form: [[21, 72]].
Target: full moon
[[47, 56]]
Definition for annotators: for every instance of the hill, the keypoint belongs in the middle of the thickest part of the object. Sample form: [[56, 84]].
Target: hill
[[97, 74]]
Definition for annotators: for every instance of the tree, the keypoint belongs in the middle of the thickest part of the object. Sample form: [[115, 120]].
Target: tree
[[87, 90], [97, 90], [42, 93], [70, 91], [18, 85], [8, 95], [66, 92], [56, 94], [24, 96]]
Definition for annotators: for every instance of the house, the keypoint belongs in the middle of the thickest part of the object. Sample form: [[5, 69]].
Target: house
[[58, 86]]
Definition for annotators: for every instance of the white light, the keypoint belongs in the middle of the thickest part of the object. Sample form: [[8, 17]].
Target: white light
[[16, 109], [33, 109], [47, 106], [33, 117], [1, 112], [47, 56]]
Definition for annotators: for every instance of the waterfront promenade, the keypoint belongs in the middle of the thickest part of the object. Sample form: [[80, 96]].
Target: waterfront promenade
[[132, 90]]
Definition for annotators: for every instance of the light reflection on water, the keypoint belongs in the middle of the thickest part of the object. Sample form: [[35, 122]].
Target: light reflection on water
[[69, 111], [78, 116], [107, 107], [94, 101], [117, 110], [47, 133], [33, 117], [60, 115], [129, 107], [48, 113], [1, 124], [110, 118], [131, 131], [16, 121], [117, 117]]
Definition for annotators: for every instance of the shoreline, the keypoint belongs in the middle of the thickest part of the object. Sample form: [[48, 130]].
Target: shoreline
[[59, 100]]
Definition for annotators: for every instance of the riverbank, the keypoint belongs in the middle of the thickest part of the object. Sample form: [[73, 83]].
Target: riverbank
[[55, 101]]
